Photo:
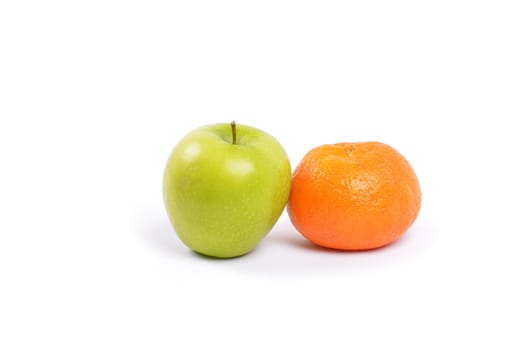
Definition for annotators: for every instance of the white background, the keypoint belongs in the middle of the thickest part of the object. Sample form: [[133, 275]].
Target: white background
[[94, 95]]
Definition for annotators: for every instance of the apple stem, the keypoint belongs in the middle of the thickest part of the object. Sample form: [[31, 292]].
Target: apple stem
[[234, 132]]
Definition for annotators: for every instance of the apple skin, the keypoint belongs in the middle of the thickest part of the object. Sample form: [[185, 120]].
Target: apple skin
[[222, 198]]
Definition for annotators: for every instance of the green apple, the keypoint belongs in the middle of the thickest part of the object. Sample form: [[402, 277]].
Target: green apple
[[225, 186]]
